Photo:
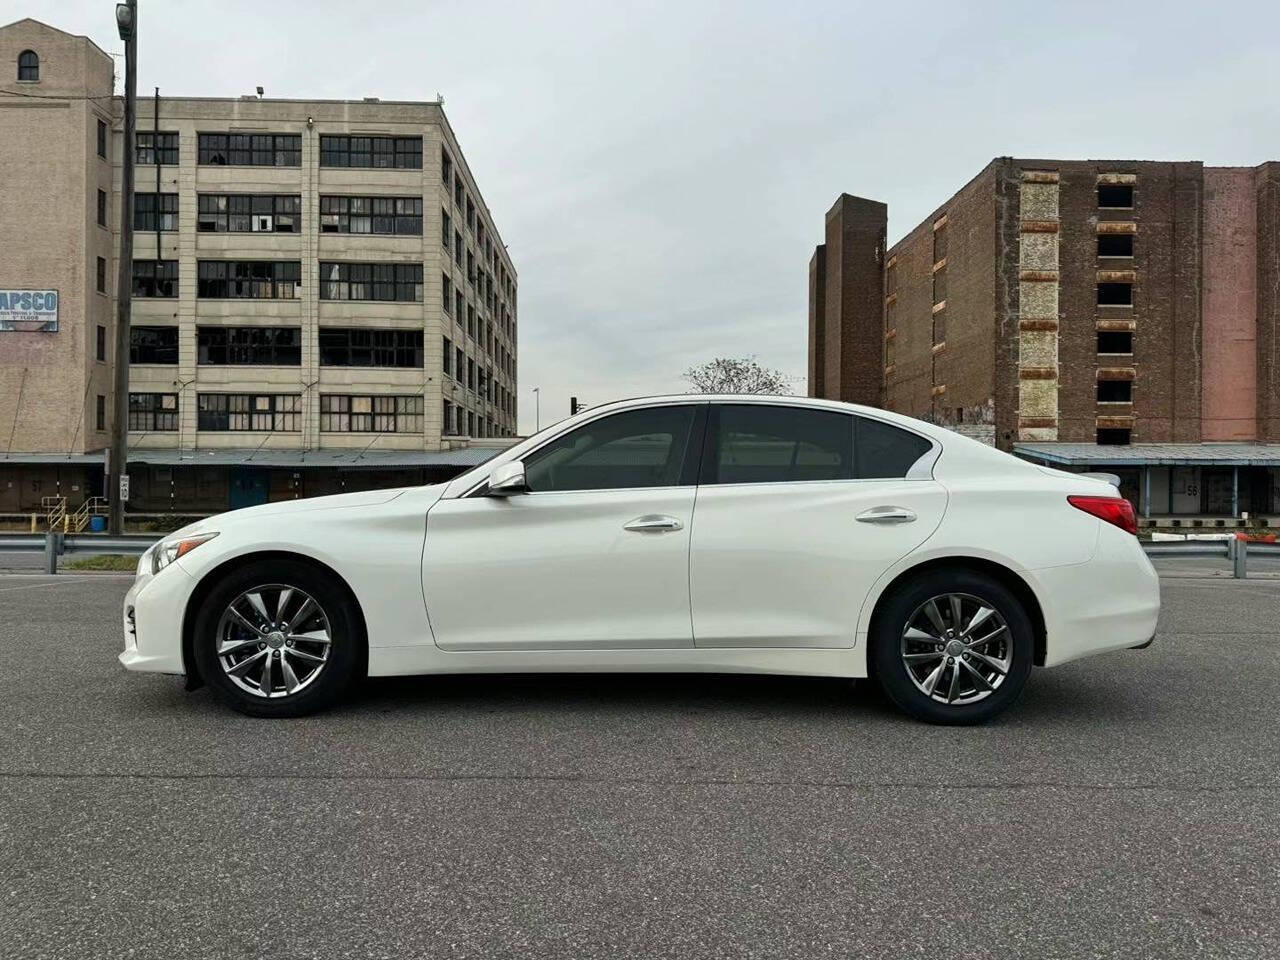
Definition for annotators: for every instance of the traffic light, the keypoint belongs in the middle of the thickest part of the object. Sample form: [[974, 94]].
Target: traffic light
[[573, 406]]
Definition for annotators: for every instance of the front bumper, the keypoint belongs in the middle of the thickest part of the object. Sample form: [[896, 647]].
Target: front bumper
[[152, 621]]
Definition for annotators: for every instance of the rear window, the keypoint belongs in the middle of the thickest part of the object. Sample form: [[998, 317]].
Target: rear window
[[759, 443], [885, 451], [777, 444]]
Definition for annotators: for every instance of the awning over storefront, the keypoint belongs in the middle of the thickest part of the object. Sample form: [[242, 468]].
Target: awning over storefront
[[1152, 454]]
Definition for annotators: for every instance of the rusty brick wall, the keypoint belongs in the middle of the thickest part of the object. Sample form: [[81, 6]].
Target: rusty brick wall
[[1268, 272], [996, 278], [909, 324], [817, 322], [853, 309], [1165, 315], [951, 382], [1229, 372]]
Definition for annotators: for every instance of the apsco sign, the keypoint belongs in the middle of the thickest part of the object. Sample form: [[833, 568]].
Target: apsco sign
[[29, 310]]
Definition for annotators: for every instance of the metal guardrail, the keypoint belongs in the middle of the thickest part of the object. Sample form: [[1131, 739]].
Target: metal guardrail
[[54, 545], [1230, 548]]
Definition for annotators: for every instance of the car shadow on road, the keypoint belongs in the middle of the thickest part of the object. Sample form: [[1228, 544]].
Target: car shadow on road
[[1060, 697], [633, 693]]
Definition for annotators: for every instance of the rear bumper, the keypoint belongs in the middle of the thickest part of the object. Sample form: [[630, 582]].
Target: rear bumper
[[1109, 603]]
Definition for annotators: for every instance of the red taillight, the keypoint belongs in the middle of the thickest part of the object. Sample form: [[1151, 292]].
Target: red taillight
[[1115, 510]]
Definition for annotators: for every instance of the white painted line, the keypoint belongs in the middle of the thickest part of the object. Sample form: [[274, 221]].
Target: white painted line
[[50, 583]]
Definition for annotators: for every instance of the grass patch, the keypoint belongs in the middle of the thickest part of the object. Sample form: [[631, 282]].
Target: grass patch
[[104, 561]]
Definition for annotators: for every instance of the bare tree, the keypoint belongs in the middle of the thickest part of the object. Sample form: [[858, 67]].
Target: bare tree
[[727, 375]]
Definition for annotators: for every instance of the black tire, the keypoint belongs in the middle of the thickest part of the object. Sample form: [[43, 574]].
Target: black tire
[[885, 656], [344, 652]]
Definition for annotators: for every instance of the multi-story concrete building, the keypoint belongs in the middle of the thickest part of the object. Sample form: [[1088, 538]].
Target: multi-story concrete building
[[1111, 315], [321, 299]]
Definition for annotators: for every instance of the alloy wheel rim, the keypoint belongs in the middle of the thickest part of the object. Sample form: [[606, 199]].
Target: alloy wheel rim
[[273, 641], [956, 648]]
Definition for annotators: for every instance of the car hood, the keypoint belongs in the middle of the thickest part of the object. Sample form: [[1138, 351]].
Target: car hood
[[338, 501]]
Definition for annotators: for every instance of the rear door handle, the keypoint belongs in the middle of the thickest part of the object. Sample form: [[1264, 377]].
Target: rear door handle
[[887, 514], [654, 523]]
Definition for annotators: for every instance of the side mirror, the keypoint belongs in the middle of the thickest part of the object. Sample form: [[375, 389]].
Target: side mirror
[[506, 479]]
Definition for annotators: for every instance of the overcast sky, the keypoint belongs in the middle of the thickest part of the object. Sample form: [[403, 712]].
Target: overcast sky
[[660, 171]]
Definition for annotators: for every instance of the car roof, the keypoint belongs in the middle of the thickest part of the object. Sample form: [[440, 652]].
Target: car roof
[[963, 455], [911, 423]]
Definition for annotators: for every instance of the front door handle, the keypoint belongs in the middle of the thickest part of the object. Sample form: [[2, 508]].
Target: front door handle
[[887, 514], [654, 523]]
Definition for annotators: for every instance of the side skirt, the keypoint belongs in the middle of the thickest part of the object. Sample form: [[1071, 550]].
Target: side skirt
[[804, 662]]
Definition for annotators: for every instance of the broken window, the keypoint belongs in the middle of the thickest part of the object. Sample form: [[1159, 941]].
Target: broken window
[[155, 278], [249, 213], [152, 211], [1113, 437], [400, 282], [362, 347], [1115, 341], [249, 346], [1115, 244], [153, 344], [249, 279], [153, 147], [1115, 294], [381, 215], [1115, 196], [249, 150], [1115, 391]]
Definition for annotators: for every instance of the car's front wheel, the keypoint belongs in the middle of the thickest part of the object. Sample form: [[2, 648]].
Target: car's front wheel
[[277, 638], [952, 646]]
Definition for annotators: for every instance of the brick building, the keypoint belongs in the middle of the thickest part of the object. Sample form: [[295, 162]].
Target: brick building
[[1107, 315], [321, 299]]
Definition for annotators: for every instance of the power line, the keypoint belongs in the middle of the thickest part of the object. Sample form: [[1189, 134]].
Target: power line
[[46, 96]]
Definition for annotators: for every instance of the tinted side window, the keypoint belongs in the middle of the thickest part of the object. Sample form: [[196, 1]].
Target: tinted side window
[[776, 444], [886, 451], [638, 448]]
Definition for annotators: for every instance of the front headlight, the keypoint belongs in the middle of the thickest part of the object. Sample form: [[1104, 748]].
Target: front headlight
[[167, 551]]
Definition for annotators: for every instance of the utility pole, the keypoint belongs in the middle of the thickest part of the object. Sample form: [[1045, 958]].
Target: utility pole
[[127, 24], [537, 410]]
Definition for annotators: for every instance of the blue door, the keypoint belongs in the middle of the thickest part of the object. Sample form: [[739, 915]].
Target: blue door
[[248, 487]]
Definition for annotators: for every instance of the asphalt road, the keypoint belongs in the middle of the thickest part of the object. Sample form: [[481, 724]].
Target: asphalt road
[[1127, 807]]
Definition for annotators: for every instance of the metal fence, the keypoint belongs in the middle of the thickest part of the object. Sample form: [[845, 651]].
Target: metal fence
[[54, 545]]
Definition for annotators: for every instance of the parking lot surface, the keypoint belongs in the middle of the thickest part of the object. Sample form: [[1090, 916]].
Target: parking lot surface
[[1126, 807]]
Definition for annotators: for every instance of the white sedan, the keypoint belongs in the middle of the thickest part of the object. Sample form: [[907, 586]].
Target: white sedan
[[676, 534]]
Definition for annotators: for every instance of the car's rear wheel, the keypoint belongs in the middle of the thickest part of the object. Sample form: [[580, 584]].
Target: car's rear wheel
[[952, 646], [277, 638]]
